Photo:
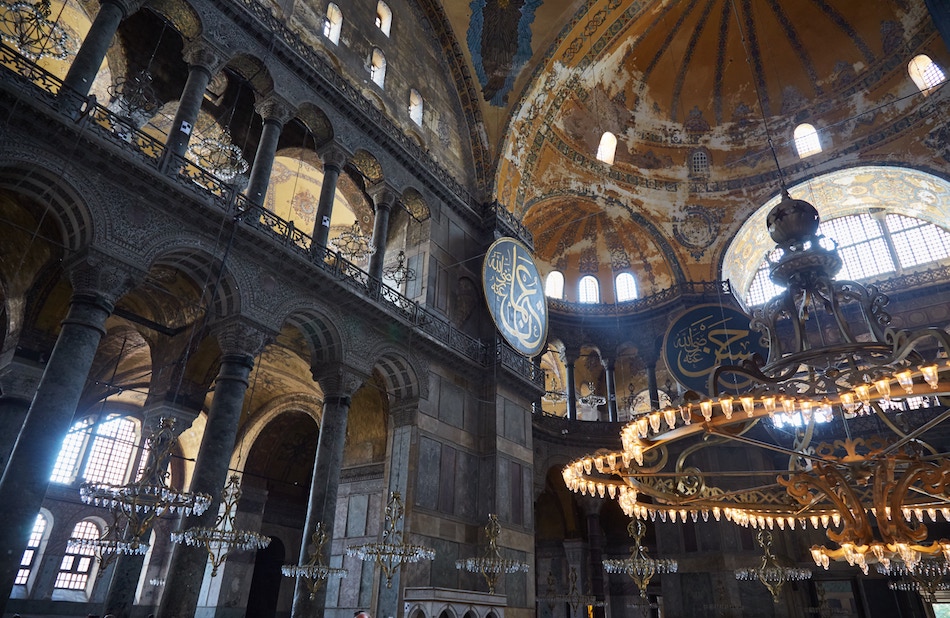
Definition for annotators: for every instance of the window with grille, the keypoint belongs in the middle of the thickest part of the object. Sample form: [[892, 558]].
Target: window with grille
[[78, 562], [67, 463], [607, 148], [415, 107], [104, 450], [31, 555], [377, 67], [626, 287], [699, 163], [384, 17], [554, 284], [925, 73], [806, 141], [333, 23], [589, 289]]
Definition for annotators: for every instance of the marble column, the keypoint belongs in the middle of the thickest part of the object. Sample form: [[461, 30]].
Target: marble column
[[275, 112], [98, 281], [384, 198], [125, 576], [85, 66], [338, 382], [19, 380], [652, 386], [203, 62], [940, 14], [240, 342], [334, 158], [609, 365], [571, 354]]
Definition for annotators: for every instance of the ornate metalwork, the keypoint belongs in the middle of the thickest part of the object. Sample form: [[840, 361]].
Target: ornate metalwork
[[640, 566], [491, 564], [315, 571], [27, 26], [770, 571]]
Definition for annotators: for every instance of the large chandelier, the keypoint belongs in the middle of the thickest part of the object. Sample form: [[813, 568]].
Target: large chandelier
[[217, 153], [925, 577], [640, 566], [491, 564], [315, 571], [399, 272], [223, 539], [820, 411], [353, 244], [592, 399], [135, 506], [391, 551], [27, 26], [770, 572]]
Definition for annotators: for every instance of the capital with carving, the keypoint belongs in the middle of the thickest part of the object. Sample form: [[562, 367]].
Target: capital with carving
[[404, 413], [383, 196], [128, 7], [333, 156], [274, 108], [96, 275], [200, 53], [339, 380], [240, 337], [570, 354]]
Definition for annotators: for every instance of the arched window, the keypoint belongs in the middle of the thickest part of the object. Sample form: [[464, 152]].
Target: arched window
[[79, 560], [34, 549], [626, 287], [384, 17], [377, 67], [607, 148], [925, 73], [699, 163], [806, 140], [554, 284], [588, 289], [415, 106], [333, 23], [106, 446]]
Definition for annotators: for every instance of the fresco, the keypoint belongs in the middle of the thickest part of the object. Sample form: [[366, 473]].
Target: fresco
[[499, 39]]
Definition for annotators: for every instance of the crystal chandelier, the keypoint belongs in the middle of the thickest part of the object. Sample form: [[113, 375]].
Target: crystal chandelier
[[27, 26], [399, 272], [592, 399], [353, 244], [772, 573], [819, 411], [926, 577], [574, 597], [491, 564], [391, 552], [134, 506], [223, 539], [315, 571], [218, 154], [134, 96], [640, 566]]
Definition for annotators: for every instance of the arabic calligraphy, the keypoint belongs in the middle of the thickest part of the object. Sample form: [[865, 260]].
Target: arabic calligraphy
[[515, 296], [704, 338]]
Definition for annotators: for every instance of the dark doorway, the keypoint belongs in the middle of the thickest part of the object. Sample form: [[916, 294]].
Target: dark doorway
[[265, 585]]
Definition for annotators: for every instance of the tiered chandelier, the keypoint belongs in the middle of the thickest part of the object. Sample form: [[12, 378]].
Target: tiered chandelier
[[491, 564], [315, 571], [391, 551], [27, 25], [135, 506], [820, 407], [640, 566], [770, 572]]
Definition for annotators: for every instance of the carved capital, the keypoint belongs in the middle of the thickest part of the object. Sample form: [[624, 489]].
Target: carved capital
[[333, 156], [19, 379], [274, 108], [199, 53], [404, 414], [383, 196], [102, 276], [240, 337], [126, 6], [181, 416], [338, 379], [571, 353]]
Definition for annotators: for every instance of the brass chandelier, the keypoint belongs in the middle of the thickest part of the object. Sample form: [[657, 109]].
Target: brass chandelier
[[820, 410], [640, 566], [491, 564], [315, 572]]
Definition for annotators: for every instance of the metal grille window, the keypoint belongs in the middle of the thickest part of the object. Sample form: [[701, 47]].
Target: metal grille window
[[333, 23], [589, 290], [29, 559], [806, 141], [78, 562], [554, 284], [925, 73], [98, 452], [67, 463], [626, 287]]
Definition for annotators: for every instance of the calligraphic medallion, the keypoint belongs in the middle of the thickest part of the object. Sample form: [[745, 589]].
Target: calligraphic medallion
[[705, 337], [515, 295]]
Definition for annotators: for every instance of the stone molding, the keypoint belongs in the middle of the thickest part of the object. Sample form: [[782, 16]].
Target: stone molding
[[333, 156], [201, 53], [240, 337], [339, 380], [274, 108]]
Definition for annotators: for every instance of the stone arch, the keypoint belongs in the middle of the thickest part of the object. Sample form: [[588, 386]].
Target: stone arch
[[294, 402], [205, 270], [367, 165], [447, 611], [415, 204], [254, 70], [417, 611], [403, 374], [180, 15], [319, 328], [316, 122]]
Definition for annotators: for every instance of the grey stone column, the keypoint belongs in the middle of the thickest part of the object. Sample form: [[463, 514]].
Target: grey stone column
[[240, 342], [338, 382], [19, 380], [652, 386], [275, 112], [203, 62], [385, 199], [571, 354], [98, 281], [82, 72], [940, 14], [125, 577], [612, 415], [334, 158]]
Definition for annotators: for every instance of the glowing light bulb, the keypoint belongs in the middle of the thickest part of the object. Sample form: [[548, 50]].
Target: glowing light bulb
[[883, 387], [769, 404], [906, 380], [931, 376], [748, 404], [705, 406], [670, 415], [725, 404], [863, 393], [847, 401]]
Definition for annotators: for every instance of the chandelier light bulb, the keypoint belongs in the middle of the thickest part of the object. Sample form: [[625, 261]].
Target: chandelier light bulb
[[931, 375], [847, 401], [748, 404], [883, 387], [906, 380], [863, 393], [705, 406], [725, 404], [769, 404]]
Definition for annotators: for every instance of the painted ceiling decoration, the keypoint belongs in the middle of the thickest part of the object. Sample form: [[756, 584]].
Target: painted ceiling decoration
[[499, 39]]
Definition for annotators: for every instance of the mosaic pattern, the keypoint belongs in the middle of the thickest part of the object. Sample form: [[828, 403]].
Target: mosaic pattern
[[696, 229], [499, 39]]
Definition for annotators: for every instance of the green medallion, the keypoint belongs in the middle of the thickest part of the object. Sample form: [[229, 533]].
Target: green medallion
[[515, 295]]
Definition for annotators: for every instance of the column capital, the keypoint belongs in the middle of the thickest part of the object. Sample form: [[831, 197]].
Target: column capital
[[383, 195], [608, 362], [200, 53], [95, 274], [152, 415], [274, 108], [338, 379], [240, 337], [128, 7], [571, 353], [333, 156], [404, 414], [19, 379]]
